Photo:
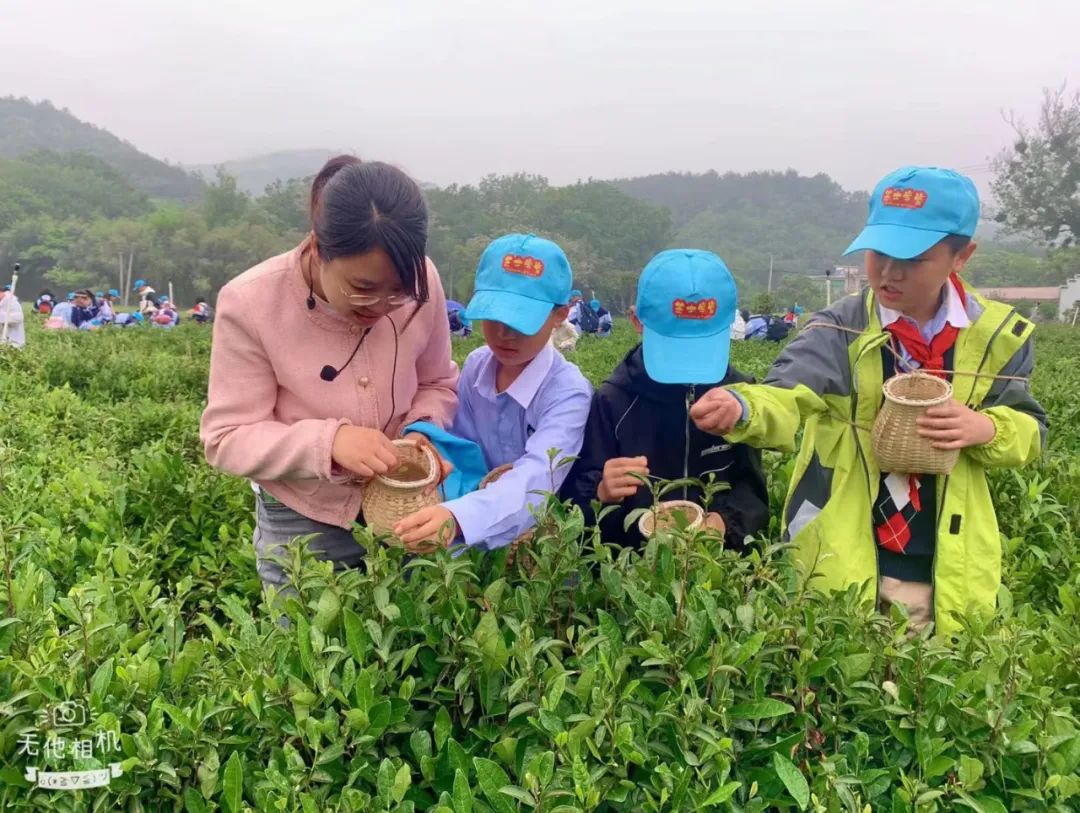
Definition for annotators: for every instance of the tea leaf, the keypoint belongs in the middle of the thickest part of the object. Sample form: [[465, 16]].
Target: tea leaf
[[760, 709], [722, 794], [443, 726], [402, 782], [491, 643], [793, 780], [385, 781], [492, 779], [232, 786], [463, 798]]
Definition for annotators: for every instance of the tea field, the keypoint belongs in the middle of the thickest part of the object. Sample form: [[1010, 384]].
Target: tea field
[[685, 679]]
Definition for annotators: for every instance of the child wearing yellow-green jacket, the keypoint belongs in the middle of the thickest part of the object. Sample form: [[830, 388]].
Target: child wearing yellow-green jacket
[[928, 542]]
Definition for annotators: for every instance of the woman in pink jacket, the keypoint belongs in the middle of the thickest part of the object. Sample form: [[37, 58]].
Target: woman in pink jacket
[[320, 356]]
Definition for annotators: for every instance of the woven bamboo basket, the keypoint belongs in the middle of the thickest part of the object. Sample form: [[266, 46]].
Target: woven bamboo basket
[[664, 512], [393, 496], [895, 440]]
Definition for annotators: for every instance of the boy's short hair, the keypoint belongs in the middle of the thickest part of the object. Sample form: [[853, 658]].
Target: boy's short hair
[[521, 278], [956, 242]]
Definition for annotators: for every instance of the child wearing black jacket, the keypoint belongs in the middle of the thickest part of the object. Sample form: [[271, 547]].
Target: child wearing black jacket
[[639, 422]]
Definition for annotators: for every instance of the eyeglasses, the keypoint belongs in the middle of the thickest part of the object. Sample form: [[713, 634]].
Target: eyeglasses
[[367, 300]]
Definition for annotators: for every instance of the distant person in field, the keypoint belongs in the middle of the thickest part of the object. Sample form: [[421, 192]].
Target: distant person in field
[[105, 306], [604, 322], [757, 326], [518, 397], [565, 337], [202, 313], [44, 303], [12, 321], [306, 404], [577, 302], [85, 309], [166, 315], [929, 542], [62, 314], [738, 327], [148, 298], [639, 423]]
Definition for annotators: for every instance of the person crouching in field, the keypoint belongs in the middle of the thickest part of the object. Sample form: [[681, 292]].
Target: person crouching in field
[[306, 405], [928, 542], [85, 309], [640, 424], [518, 397]]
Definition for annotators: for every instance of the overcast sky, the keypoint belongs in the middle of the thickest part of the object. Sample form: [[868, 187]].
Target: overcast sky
[[452, 91]]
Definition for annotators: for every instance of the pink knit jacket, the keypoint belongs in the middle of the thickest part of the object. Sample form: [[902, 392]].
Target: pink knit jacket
[[272, 419]]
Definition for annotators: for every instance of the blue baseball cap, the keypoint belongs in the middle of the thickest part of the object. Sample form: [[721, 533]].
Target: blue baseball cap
[[576, 293], [139, 283], [914, 208], [100, 293], [686, 303], [113, 292], [520, 278], [71, 296], [163, 299]]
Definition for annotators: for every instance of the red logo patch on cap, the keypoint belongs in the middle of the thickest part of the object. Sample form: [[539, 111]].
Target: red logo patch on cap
[[526, 266], [705, 309], [903, 198]]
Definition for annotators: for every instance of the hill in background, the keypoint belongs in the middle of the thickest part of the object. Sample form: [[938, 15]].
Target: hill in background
[[254, 174], [29, 127], [804, 223]]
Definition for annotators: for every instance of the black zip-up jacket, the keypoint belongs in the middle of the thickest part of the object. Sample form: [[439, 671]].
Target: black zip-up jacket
[[632, 415]]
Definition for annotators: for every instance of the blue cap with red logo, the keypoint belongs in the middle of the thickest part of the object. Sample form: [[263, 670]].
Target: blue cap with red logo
[[914, 208], [520, 279], [686, 303]]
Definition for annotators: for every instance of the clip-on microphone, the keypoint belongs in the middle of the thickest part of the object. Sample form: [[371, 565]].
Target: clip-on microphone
[[329, 373]]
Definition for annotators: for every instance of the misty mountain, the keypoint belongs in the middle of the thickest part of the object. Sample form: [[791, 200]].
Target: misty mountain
[[254, 174], [802, 223], [28, 127]]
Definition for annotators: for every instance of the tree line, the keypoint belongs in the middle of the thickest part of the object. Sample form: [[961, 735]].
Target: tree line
[[75, 220]]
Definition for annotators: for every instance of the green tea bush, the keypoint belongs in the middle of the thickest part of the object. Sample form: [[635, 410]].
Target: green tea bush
[[581, 678]]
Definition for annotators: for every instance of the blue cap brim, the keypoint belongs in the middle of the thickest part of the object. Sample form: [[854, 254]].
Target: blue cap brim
[[697, 360], [522, 313], [901, 242]]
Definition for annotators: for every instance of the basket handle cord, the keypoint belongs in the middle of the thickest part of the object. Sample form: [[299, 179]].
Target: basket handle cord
[[900, 360]]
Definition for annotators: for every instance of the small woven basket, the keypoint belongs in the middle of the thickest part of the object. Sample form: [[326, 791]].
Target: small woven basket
[[393, 496], [665, 513], [895, 440]]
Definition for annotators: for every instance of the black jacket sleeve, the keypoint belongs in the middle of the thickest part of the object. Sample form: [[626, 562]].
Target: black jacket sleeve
[[598, 447], [745, 507]]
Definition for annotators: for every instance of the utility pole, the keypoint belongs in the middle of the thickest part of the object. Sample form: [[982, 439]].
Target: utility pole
[[828, 287], [770, 272]]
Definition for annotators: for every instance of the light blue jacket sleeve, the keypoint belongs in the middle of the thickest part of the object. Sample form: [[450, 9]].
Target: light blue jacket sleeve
[[496, 515]]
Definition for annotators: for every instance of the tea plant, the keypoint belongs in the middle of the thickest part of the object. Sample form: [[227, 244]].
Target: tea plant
[[581, 677]]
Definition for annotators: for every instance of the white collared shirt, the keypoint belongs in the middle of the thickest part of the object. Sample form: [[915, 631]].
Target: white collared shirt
[[951, 312]]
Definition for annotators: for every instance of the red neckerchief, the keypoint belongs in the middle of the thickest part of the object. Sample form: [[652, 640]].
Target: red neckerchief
[[931, 357]]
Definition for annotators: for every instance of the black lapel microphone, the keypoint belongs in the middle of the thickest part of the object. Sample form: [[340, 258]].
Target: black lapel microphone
[[311, 299], [328, 373]]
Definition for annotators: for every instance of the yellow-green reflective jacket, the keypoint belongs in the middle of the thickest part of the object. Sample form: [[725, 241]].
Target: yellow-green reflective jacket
[[830, 381]]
